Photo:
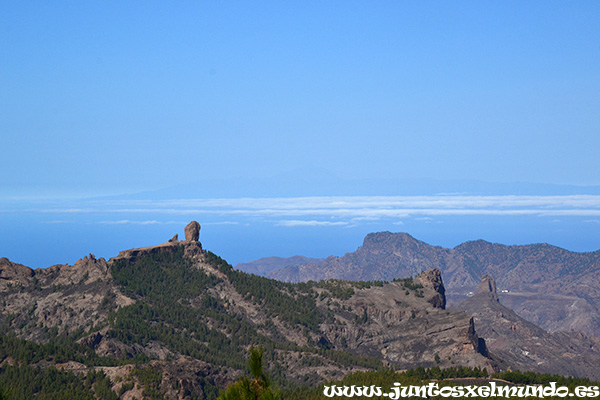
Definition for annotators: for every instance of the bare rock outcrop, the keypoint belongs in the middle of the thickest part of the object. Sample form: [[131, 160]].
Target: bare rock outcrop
[[13, 273], [192, 247], [404, 324], [132, 254], [557, 289], [192, 231], [432, 278], [487, 287], [519, 344], [86, 270], [63, 298]]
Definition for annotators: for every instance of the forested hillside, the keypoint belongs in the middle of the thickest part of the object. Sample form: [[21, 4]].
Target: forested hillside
[[176, 321]]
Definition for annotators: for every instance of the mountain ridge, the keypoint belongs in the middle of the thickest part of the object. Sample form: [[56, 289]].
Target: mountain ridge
[[176, 307], [539, 281], [525, 346]]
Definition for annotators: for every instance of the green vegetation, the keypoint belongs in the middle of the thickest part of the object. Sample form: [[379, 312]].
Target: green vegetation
[[421, 376], [162, 276], [165, 285], [409, 284], [26, 382], [276, 298], [182, 309], [256, 388], [335, 288], [60, 349], [174, 308], [150, 379]]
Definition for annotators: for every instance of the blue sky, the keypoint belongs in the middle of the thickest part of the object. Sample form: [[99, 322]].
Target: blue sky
[[213, 100]]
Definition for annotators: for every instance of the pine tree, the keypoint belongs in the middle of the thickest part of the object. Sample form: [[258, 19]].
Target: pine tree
[[257, 388]]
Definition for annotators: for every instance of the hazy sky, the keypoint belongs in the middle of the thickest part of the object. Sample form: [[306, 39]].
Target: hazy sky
[[112, 96], [270, 103]]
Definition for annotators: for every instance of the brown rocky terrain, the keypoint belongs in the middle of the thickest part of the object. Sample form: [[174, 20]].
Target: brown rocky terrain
[[188, 318], [555, 288], [525, 346], [405, 329], [63, 297]]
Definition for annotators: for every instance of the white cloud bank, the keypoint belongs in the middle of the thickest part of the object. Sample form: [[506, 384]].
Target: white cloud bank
[[129, 222], [340, 210], [309, 223]]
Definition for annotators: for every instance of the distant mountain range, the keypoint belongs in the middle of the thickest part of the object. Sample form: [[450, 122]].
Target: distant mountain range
[[268, 265], [557, 289]]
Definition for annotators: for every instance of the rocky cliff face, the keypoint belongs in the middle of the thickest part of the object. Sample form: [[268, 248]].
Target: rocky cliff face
[[432, 279], [406, 327], [59, 299], [14, 274], [192, 231], [552, 287], [523, 345], [487, 288]]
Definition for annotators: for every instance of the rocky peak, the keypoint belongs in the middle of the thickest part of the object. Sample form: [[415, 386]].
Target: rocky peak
[[14, 273], [487, 287], [192, 231], [192, 246], [374, 241], [432, 278], [85, 270]]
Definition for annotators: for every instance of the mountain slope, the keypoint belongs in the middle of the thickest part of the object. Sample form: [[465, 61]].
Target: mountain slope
[[176, 320], [553, 287], [525, 346]]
